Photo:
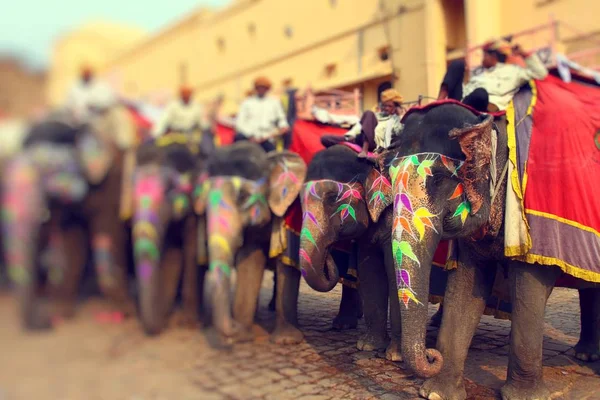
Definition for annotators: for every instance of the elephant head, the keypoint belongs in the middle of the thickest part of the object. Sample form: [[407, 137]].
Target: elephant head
[[58, 164], [163, 185], [242, 189], [336, 204], [434, 196]]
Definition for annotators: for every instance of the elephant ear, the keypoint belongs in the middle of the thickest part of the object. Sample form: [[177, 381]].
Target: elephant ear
[[95, 155], [476, 143], [378, 191], [286, 177], [200, 194]]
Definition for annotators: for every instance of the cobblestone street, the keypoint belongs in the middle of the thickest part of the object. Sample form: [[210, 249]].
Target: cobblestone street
[[84, 360]]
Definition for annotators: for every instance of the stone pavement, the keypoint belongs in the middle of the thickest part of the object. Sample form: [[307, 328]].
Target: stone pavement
[[84, 360]]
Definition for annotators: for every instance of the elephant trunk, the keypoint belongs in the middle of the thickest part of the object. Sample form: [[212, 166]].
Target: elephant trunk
[[147, 239], [413, 266], [318, 267], [22, 207], [224, 239]]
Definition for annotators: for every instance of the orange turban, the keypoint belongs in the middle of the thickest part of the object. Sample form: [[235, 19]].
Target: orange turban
[[500, 45], [391, 95], [185, 91], [262, 81]]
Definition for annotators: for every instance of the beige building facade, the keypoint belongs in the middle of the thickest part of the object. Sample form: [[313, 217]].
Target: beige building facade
[[326, 44]]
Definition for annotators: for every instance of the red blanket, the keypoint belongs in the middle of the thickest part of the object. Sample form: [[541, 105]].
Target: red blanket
[[562, 174], [224, 134]]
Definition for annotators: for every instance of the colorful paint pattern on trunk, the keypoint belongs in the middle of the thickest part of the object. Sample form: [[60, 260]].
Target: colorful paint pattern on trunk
[[348, 194], [103, 259], [412, 216], [149, 195], [22, 206]]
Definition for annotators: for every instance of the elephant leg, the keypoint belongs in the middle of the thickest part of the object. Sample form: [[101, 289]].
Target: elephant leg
[[250, 269], [273, 302], [531, 286], [350, 303], [110, 261], [469, 287], [374, 292], [65, 279], [170, 275], [588, 347], [288, 286], [394, 350], [192, 290]]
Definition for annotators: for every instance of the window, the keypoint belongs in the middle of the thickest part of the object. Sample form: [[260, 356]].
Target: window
[[384, 53], [221, 44], [333, 3], [252, 29], [330, 70], [288, 31]]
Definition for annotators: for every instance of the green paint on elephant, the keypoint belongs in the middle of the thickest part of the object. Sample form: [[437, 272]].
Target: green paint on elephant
[[146, 246], [19, 275], [223, 266]]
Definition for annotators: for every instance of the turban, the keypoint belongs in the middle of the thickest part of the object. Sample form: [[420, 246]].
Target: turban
[[262, 81], [501, 46], [185, 91], [391, 95]]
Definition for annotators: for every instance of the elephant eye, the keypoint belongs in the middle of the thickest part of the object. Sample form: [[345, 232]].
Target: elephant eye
[[243, 197]]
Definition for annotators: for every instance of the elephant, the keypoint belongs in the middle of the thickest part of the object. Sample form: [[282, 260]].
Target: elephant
[[66, 181], [339, 199], [442, 188], [240, 192], [165, 230]]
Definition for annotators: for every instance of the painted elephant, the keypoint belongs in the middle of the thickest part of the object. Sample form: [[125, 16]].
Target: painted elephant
[[239, 195], [341, 196], [165, 230], [442, 188], [66, 180]]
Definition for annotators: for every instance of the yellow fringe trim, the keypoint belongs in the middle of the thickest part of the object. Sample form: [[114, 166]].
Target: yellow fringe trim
[[567, 268], [563, 220], [512, 156]]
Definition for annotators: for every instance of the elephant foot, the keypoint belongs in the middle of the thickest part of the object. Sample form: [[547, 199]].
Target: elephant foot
[[444, 387], [286, 333], [108, 317], [64, 309], [514, 391], [436, 319], [38, 321], [587, 351], [393, 352], [370, 342], [238, 334], [343, 322]]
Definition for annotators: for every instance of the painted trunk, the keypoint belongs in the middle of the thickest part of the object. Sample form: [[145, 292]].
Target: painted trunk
[[148, 231], [22, 207], [224, 229]]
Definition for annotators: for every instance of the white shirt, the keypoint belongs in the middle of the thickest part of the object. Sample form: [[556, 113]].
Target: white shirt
[[95, 94], [259, 117], [387, 127], [180, 117], [503, 81]]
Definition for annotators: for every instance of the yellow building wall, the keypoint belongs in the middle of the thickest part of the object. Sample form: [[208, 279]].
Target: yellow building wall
[[227, 50], [96, 44], [224, 51]]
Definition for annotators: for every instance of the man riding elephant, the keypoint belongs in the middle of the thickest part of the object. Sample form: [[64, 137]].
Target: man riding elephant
[[184, 115], [261, 118], [375, 131]]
